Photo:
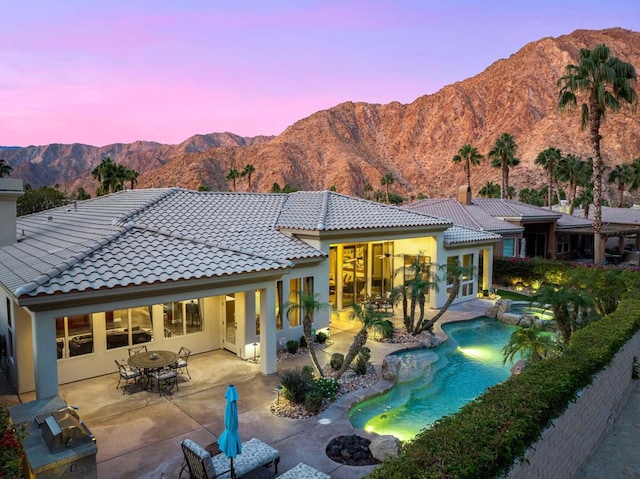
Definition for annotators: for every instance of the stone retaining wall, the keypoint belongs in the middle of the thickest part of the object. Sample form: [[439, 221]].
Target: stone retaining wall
[[568, 444]]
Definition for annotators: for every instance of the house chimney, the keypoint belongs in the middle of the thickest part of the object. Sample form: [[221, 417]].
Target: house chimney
[[10, 191], [464, 195]]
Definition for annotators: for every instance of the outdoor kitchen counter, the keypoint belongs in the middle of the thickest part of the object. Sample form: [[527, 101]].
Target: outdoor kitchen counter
[[42, 463]]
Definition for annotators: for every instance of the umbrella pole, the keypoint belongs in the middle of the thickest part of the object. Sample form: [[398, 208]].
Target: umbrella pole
[[233, 474]]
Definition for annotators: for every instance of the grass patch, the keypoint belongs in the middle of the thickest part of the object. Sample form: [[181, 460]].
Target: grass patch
[[512, 295]]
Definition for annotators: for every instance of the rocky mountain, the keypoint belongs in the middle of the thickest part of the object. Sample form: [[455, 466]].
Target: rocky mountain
[[353, 144]]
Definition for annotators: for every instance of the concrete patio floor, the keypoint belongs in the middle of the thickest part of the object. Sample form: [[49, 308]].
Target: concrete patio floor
[[139, 434]]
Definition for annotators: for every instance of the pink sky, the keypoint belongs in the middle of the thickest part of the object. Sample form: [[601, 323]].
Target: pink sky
[[82, 71]]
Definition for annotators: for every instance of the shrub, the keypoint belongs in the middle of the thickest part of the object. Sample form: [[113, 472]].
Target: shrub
[[313, 401], [362, 361], [303, 342], [11, 452], [292, 347], [328, 387], [336, 361], [296, 383], [321, 337]]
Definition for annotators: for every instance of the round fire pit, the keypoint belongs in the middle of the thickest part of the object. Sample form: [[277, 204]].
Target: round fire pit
[[351, 450]]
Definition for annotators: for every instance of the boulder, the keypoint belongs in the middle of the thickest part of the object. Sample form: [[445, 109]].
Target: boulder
[[428, 339], [382, 447], [391, 367]]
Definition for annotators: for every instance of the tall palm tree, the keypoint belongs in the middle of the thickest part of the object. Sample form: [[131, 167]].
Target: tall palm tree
[[603, 83], [490, 190], [308, 304], [370, 319], [503, 156], [621, 175], [367, 191], [106, 174], [233, 176], [566, 302], [386, 181], [576, 172], [585, 199], [5, 169], [470, 156], [247, 171], [549, 159], [131, 176]]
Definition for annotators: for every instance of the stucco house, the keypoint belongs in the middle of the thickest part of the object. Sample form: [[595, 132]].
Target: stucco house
[[170, 267]]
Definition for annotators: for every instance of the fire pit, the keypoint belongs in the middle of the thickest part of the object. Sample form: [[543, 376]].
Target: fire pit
[[351, 450]]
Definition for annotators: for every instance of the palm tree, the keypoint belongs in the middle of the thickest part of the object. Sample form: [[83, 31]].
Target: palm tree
[[490, 190], [308, 303], [370, 319], [413, 291], [566, 302], [585, 199], [248, 171], [232, 176], [531, 196], [623, 175], [5, 169], [470, 156], [503, 156], [531, 343], [576, 172], [604, 82], [106, 174], [549, 159], [386, 181], [131, 176], [367, 191]]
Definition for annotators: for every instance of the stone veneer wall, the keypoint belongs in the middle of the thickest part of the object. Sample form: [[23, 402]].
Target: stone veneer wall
[[565, 447]]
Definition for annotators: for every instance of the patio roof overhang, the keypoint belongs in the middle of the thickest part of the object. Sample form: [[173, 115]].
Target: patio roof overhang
[[371, 234], [142, 293], [608, 231]]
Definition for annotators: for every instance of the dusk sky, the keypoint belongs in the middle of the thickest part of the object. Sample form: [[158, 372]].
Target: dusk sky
[[117, 71]]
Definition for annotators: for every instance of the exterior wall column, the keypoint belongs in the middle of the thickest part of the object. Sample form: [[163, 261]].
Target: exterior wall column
[[268, 341], [45, 361], [487, 268], [439, 297]]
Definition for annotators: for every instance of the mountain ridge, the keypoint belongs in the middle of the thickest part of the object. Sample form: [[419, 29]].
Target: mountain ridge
[[355, 143]]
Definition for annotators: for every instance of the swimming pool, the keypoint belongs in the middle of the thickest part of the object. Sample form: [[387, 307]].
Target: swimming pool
[[437, 382]]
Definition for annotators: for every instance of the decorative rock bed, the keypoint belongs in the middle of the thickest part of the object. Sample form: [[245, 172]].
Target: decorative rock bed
[[351, 450], [501, 310]]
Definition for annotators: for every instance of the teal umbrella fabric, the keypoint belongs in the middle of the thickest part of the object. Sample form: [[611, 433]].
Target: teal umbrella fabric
[[229, 440]]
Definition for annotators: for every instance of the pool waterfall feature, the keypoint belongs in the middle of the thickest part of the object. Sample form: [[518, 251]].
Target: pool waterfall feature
[[522, 313], [433, 383]]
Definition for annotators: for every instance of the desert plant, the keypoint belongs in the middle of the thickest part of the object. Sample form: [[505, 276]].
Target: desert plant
[[292, 346], [321, 337], [297, 383], [327, 386], [362, 362], [303, 342], [336, 361], [313, 401]]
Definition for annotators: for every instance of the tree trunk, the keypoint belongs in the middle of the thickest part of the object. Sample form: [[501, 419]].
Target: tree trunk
[[359, 340], [595, 116], [550, 191], [428, 325], [505, 179], [574, 192], [306, 326]]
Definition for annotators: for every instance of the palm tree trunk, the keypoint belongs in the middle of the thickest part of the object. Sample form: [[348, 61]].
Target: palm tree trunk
[[428, 325], [505, 179], [574, 192], [595, 118], [312, 352], [359, 340]]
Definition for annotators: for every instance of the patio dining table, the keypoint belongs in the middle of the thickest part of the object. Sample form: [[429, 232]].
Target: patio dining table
[[149, 361]]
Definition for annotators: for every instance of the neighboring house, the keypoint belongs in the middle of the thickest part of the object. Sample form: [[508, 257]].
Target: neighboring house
[[526, 230], [174, 267]]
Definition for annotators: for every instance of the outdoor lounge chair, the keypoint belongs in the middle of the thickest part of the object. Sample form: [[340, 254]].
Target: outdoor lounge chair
[[128, 374], [254, 463]]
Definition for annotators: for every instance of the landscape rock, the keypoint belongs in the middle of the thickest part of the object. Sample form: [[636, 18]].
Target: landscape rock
[[428, 340], [382, 447], [391, 367]]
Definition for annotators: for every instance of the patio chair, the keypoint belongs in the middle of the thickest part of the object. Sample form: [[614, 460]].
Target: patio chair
[[137, 350], [164, 376], [182, 366], [127, 373], [304, 470], [254, 463]]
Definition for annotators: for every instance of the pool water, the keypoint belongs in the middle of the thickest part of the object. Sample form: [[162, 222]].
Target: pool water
[[437, 382]]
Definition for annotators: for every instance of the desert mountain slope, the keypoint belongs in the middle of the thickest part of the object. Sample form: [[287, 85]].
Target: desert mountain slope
[[352, 144]]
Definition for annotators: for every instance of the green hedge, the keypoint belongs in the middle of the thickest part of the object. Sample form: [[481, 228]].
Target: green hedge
[[485, 437]]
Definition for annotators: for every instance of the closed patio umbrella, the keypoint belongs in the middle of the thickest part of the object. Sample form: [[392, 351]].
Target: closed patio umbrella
[[229, 440], [523, 248]]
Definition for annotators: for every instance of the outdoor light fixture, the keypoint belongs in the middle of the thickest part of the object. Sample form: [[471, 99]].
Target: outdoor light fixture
[[278, 389]]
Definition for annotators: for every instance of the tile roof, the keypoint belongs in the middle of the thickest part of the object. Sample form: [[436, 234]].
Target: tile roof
[[500, 208], [458, 235], [468, 216], [330, 211], [150, 236]]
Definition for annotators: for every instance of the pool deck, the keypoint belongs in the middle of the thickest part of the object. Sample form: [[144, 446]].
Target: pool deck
[[139, 434]]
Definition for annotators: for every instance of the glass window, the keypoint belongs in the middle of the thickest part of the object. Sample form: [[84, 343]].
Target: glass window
[[257, 312], [74, 335], [509, 247], [294, 314], [279, 301], [126, 327], [182, 317]]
